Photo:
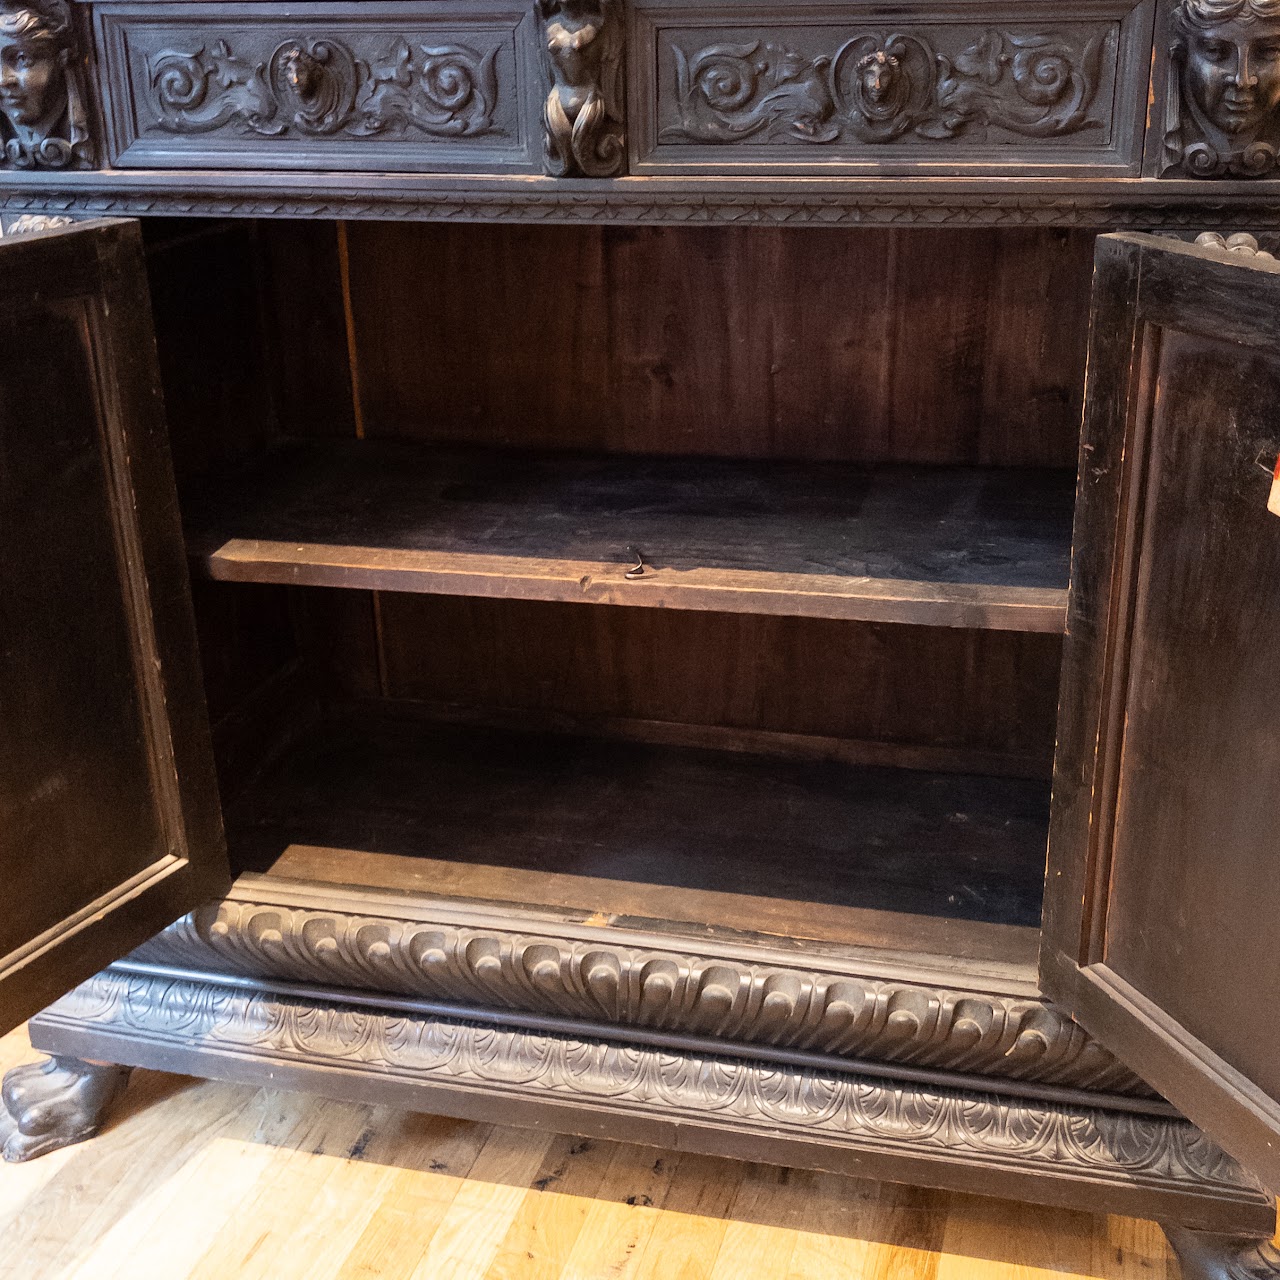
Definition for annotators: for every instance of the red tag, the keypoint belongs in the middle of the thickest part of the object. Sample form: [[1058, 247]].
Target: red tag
[[1273, 502]]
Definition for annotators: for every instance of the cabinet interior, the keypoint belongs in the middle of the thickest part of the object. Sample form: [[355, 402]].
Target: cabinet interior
[[416, 462]]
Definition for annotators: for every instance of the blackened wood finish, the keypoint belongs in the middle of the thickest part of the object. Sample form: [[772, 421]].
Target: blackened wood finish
[[1162, 891], [109, 818]]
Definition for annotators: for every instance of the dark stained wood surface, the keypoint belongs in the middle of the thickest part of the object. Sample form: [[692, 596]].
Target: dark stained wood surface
[[970, 547], [629, 824], [967, 701], [870, 344], [1163, 888], [109, 819]]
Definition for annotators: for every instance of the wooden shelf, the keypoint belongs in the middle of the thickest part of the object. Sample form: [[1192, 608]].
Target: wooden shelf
[[895, 860], [965, 547]]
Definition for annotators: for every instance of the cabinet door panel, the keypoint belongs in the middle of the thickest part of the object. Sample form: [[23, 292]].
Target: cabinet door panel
[[109, 821], [1163, 894]]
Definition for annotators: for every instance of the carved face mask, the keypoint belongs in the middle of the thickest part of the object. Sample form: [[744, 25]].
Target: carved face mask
[[1233, 73], [31, 81]]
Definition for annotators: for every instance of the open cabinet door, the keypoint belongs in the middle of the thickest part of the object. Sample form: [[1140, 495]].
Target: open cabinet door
[[1162, 905], [109, 819]]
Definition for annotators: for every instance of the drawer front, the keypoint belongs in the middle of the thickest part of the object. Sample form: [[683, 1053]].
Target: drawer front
[[890, 88], [436, 86]]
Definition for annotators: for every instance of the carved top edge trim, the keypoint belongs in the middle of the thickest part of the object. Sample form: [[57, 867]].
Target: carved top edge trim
[[1006, 980], [685, 189]]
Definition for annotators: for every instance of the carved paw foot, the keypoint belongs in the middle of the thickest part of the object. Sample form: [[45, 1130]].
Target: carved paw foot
[[57, 1102], [1204, 1255]]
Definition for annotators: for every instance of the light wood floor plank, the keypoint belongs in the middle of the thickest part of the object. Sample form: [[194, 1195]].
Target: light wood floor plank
[[439, 1155], [540, 1240], [687, 1235], [621, 1218], [473, 1227]]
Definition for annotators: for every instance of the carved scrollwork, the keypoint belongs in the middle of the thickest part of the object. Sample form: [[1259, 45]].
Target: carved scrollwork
[[737, 91], [880, 87], [1222, 112], [318, 87], [863, 1017], [44, 121], [203, 90], [194, 1021], [31, 222], [450, 90], [583, 114]]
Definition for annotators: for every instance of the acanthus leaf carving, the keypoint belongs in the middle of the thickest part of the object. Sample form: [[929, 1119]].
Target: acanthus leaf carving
[[317, 87], [451, 90], [203, 90], [203, 1021], [800, 1008], [880, 87]]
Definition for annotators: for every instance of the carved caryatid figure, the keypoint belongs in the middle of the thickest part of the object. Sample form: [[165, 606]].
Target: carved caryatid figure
[[42, 113], [582, 44], [1224, 88]]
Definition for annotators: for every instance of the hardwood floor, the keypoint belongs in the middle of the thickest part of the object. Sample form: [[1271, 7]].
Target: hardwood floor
[[201, 1181]]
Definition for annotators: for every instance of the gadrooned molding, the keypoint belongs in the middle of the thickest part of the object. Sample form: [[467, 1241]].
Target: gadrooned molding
[[652, 983]]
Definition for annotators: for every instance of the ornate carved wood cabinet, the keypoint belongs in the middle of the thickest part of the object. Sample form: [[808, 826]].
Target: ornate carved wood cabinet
[[564, 544]]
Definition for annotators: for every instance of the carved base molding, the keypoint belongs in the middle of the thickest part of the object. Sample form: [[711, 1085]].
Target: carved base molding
[[485, 959], [1135, 203], [57, 1102], [1088, 1158]]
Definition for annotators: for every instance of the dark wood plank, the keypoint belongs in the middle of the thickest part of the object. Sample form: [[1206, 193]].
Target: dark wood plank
[[941, 546], [643, 829], [953, 345], [1162, 891], [109, 819], [930, 697]]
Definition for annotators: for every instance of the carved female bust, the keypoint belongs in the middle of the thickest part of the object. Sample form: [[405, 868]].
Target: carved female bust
[[42, 117], [1225, 87], [582, 115]]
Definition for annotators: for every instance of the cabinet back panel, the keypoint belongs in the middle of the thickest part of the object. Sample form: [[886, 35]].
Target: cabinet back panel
[[986, 699], [857, 344]]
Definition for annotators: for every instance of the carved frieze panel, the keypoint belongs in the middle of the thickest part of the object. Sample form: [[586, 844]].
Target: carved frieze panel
[[662, 988], [1222, 101], [44, 122], [409, 86], [761, 88]]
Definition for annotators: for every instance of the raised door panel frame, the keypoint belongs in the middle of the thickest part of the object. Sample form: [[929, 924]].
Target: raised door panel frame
[[1143, 284], [98, 269], [983, 89], [397, 86]]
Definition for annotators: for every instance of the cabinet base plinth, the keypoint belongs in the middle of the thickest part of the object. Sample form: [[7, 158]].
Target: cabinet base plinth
[[1111, 1161]]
